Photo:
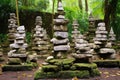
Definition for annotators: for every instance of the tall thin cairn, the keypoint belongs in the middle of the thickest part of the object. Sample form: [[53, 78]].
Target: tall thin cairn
[[12, 27], [91, 29], [1, 54], [112, 36], [103, 49], [60, 40], [75, 33], [40, 38], [83, 51]]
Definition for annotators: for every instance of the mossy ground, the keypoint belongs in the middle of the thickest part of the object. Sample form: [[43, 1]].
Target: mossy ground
[[23, 67]]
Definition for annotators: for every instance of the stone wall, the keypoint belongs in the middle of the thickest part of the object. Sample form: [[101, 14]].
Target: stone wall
[[27, 19]]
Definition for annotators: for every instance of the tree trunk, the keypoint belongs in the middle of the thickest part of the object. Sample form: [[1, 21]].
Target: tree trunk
[[80, 4], [86, 6], [110, 9]]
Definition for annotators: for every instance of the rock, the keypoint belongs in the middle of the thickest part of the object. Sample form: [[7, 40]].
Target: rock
[[61, 34], [21, 28], [107, 50], [80, 56], [109, 45], [14, 61], [18, 55], [49, 58], [32, 58], [62, 48], [56, 41]]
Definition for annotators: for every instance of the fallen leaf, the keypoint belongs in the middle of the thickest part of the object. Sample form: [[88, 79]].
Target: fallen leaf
[[106, 76], [105, 72], [18, 77], [100, 72], [29, 76], [24, 74], [75, 78], [113, 75], [118, 74]]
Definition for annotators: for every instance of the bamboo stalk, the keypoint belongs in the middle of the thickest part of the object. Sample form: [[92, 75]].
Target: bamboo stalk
[[53, 15], [17, 13]]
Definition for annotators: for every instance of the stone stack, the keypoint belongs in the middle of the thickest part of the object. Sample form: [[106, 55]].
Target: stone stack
[[12, 28], [1, 54], [91, 29], [60, 40], [17, 53], [40, 38], [112, 36], [83, 50], [81, 45], [75, 32], [102, 48]]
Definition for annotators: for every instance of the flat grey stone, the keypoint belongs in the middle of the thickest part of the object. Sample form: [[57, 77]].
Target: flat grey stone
[[56, 41], [61, 34], [107, 50], [62, 48]]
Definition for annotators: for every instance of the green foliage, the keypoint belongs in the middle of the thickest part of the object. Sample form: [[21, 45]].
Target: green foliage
[[97, 8], [28, 37], [36, 5], [74, 13], [3, 38]]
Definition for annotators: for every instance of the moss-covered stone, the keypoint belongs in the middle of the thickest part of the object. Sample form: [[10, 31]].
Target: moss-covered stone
[[86, 66], [61, 61], [62, 74], [50, 68], [14, 61], [95, 72], [24, 67], [107, 63]]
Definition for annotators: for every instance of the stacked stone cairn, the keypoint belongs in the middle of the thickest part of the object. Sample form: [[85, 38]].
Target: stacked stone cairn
[[60, 65], [60, 40], [1, 54], [17, 54], [40, 38], [112, 36], [103, 48], [91, 29], [83, 50], [75, 33], [12, 28]]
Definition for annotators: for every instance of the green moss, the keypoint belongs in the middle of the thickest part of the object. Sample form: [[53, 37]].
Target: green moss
[[50, 68], [80, 66], [24, 67], [107, 63], [14, 61], [62, 74], [71, 74], [95, 72], [61, 61]]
